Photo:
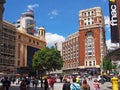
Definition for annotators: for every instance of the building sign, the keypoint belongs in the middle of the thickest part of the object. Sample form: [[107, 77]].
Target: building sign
[[113, 21]]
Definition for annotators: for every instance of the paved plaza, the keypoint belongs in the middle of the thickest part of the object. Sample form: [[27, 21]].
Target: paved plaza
[[58, 86]]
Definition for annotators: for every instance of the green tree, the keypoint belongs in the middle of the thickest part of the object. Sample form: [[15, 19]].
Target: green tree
[[47, 58], [107, 64]]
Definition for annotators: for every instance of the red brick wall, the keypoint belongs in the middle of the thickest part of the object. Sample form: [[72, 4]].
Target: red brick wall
[[81, 47], [82, 33]]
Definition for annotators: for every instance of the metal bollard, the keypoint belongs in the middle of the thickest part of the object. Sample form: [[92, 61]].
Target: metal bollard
[[114, 83]]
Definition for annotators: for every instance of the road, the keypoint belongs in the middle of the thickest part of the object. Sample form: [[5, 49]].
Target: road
[[58, 86]]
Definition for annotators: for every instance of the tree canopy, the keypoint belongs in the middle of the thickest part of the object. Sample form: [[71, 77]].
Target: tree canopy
[[47, 58], [107, 64]]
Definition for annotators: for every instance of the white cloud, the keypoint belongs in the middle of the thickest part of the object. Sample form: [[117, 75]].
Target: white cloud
[[51, 39], [111, 45], [30, 7], [107, 21], [53, 13]]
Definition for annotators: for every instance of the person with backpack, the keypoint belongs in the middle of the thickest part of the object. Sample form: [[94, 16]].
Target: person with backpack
[[75, 85], [85, 85]]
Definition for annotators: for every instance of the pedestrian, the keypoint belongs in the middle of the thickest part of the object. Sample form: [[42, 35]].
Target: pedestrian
[[28, 82], [23, 85], [41, 82], [6, 83], [51, 83], [66, 85], [75, 85], [96, 85], [85, 85], [36, 82], [61, 79], [46, 84], [80, 80]]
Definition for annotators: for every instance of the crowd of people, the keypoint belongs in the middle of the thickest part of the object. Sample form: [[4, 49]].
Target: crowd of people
[[79, 83], [69, 83], [25, 81]]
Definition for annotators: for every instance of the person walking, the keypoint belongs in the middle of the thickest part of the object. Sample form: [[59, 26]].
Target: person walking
[[23, 85], [36, 82], [45, 84], [85, 85], [96, 85], [66, 85], [6, 83], [75, 85], [51, 83]]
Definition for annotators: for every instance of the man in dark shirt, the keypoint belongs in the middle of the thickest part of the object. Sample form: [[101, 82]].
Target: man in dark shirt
[[6, 83]]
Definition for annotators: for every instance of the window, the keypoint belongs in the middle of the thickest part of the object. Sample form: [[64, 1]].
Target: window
[[89, 53], [88, 13], [90, 63], [92, 12], [88, 23], [85, 13], [93, 63], [86, 63], [29, 40]]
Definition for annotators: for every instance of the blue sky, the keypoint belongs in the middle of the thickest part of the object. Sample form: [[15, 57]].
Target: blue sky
[[59, 17]]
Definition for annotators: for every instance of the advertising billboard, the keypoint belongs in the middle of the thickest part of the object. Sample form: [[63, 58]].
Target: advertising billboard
[[114, 21]]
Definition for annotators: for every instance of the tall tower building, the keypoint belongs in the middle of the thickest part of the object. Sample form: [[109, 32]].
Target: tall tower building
[[92, 46], [26, 22]]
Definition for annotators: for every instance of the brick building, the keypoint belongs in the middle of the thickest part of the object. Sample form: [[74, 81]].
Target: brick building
[[84, 50], [92, 46]]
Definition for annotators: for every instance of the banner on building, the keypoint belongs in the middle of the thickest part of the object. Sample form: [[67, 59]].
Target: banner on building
[[114, 21]]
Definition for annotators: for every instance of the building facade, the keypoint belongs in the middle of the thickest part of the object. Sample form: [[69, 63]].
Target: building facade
[[26, 46], [27, 42], [1, 24], [19, 44], [70, 48], [84, 50], [92, 45], [8, 41], [58, 46]]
